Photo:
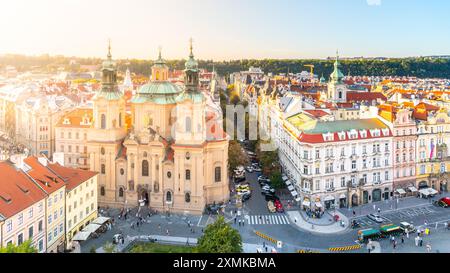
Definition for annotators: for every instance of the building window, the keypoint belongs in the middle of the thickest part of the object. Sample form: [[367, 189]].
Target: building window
[[103, 167], [41, 245], [30, 232], [40, 226], [217, 174], [20, 239], [102, 191], [103, 121], [8, 226], [144, 168], [168, 196], [169, 174], [122, 171], [187, 197], [188, 124], [121, 192], [188, 174]]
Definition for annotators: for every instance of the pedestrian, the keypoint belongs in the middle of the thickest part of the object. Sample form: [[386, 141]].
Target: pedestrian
[[235, 219], [407, 234], [167, 232], [159, 226], [420, 241], [374, 207], [379, 210], [264, 244], [395, 244], [132, 225], [428, 247], [416, 240], [354, 213], [403, 239], [122, 240]]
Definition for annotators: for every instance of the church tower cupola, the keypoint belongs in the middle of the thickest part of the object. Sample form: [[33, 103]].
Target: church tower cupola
[[110, 88], [160, 71], [191, 72]]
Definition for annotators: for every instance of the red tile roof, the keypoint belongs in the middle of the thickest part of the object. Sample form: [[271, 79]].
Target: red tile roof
[[364, 96], [17, 190], [49, 181], [72, 177], [317, 113]]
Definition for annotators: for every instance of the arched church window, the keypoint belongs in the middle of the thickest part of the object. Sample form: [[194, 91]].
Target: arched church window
[[102, 151], [102, 191], [340, 94], [122, 171], [144, 168], [168, 196], [103, 169], [103, 121], [188, 125], [156, 187], [188, 174], [120, 192], [217, 174], [187, 197]]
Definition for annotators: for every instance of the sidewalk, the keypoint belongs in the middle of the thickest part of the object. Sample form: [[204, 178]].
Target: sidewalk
[[319, 225], [388, 205]]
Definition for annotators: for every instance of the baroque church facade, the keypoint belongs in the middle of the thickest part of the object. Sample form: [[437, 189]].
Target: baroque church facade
[[174, 156]]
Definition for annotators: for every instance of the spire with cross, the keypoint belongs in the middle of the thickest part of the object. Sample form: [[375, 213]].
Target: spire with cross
[[109, 49], [159, 52], [191, 47]]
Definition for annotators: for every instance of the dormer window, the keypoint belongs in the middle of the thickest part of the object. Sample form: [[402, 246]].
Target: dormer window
[[385, 132], [341, 135], [328, 137], [353, 134], [375, 132], [66, 121], [363, 133]]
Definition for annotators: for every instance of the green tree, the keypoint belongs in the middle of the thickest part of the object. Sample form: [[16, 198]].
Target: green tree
[[220, 237], [25, 247], [236, 156], [276, 181], [109, 247]]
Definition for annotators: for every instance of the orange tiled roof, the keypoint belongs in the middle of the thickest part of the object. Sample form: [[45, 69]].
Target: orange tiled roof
[[72, 177], [75, 118], [17, 190], [49, 181]]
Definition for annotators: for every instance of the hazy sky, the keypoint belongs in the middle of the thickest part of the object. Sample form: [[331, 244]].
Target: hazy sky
[[226, 29]]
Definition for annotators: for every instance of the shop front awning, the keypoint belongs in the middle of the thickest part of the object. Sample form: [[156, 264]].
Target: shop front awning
[[81, 236], [91, 228], [329, 198], [101, 220], [400, 191], [412, 189], [294, 193]]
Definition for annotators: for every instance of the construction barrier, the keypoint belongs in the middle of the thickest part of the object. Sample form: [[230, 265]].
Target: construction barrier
[[345, 248], [264, 236], [306, 251]]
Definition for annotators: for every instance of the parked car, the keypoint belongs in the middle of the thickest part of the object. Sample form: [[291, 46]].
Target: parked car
[[239, 179], [242, 192], [243, 187], [443, 202], [375, 217], [257, 169], [267, 188], [263, 177], [271, 206], [279, 206], [246, 197], [271, 197], [405, 226]]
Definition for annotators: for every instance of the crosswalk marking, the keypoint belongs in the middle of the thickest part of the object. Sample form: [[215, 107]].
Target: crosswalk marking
[[274, 219]]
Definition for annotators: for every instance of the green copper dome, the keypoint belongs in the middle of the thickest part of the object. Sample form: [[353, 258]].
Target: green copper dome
[[160, 88], [337, 75]]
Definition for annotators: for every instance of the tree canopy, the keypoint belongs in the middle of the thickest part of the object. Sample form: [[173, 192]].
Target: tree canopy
[[220, 237], [25, 247]]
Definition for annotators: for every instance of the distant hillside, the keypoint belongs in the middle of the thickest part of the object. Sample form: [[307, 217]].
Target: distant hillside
[[425, 67]]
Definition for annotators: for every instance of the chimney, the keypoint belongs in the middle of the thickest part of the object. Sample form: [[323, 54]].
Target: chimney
[[43, 161]]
